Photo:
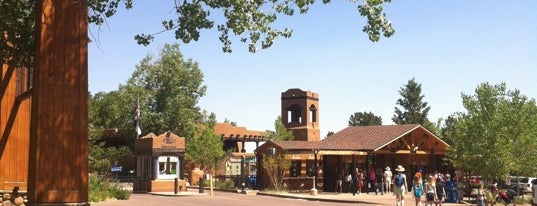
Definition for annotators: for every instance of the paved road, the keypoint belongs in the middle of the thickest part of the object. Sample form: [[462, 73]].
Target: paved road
[[220, 198], [235, 199]]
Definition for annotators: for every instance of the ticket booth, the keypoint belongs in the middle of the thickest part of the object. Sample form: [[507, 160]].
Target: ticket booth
[[159, 162]]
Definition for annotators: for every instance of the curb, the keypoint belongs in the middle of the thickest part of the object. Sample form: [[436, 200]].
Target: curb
[[314, 198]]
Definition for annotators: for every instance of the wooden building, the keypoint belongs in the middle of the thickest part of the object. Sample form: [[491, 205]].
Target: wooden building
[[44, 111], [360, 147], [15, 106]]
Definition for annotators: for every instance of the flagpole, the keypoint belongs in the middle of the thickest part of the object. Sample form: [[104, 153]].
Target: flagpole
[[137, 118]]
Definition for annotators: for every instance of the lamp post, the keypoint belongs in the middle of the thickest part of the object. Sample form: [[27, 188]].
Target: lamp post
[[313, 190], [243, 184]]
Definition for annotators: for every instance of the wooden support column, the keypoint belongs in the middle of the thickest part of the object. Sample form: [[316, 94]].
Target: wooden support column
[[58, 155]]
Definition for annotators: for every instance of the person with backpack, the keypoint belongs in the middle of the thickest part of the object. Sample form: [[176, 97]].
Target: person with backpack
[[417, 188], [440, 192], [400, 186], [430, 187]]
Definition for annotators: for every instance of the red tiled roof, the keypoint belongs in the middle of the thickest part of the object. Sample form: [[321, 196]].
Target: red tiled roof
[[365, 137]]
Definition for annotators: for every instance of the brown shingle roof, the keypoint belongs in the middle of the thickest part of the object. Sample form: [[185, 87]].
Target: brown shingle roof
[[297, 145], [365, 137]]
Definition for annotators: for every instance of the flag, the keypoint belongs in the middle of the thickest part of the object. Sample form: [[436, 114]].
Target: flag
[[137, 118]]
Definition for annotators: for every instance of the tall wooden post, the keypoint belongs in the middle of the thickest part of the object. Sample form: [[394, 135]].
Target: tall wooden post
[[58, 156]]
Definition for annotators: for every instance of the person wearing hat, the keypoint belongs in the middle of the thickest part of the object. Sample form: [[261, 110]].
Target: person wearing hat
[[400, 185], [388, 179]]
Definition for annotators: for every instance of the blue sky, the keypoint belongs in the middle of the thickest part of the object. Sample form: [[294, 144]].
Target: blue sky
[[450, 47]]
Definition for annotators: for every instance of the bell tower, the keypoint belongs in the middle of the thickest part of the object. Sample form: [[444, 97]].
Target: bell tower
[[300, 114]]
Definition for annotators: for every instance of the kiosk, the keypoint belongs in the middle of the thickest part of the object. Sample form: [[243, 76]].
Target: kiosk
[[159, 163]]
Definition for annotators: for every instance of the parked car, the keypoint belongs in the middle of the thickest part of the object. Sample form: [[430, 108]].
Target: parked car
[[525, 184]]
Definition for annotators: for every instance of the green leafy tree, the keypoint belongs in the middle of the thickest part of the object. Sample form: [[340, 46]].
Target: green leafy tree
[[364, 119], [106, 111], [520, 115], [447, 130], [206, 148], [275, 166], [413, 109], [254, 22], [280, 133], [169, 89], [493, 139], [17, 27]]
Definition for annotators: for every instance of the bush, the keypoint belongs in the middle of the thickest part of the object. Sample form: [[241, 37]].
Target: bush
[[219, 184], [101, 188], [225, 185], [98, 189], [122, 194]]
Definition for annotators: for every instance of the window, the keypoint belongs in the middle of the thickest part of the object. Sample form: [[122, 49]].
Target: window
[[310, 165], [294, 114], [313, 113], [167, 167], [294, 171]]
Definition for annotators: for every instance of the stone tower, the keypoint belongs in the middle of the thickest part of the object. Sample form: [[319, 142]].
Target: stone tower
[[300, 114]]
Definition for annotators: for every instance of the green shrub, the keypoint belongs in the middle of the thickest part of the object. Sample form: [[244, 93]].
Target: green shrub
[[225, 185], [98, 189], [122, 194], [101, 188], [206, 183]]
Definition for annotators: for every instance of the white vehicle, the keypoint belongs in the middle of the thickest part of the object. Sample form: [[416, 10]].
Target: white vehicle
[[534, 193], [525, 184]]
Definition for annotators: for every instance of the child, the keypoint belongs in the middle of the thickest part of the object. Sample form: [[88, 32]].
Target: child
[[430, 187], [417, 187]]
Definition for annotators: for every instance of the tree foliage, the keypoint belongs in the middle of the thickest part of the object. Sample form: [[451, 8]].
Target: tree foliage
[[206, 148], [254, 22], [169, 89], [364, 119], [105, 111], [496, 136], [447, 130], [275, 166], [280, 132], [17, 33], [412, 109]]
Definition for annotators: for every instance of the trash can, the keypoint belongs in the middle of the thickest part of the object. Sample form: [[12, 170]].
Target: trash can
[[451, 192], [252, 180]]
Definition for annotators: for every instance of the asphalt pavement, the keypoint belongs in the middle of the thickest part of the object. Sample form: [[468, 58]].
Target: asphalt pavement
[[193, 197]]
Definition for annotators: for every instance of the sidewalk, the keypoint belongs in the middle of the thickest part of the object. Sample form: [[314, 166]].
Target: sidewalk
[[363, 198]]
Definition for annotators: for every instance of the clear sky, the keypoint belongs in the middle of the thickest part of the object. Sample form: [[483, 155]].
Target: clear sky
[[450, 47]]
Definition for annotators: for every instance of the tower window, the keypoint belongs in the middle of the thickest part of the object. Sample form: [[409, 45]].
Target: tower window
[[313, 113], [295, 114]]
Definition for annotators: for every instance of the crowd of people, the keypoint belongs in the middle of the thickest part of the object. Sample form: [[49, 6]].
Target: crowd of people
[[427, 188]]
